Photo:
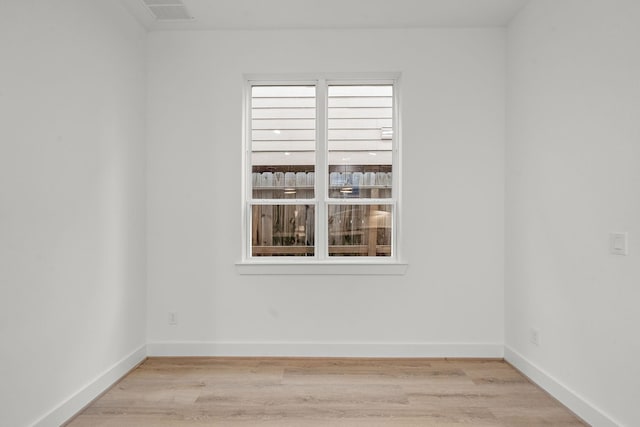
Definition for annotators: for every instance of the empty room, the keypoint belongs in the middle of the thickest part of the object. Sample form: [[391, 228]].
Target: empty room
[[319, 213]]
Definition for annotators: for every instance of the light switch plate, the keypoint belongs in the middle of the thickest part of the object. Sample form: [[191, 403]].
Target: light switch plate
[[618, 243]]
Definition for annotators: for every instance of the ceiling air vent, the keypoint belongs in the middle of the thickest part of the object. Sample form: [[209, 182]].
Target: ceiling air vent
[[168, 10]]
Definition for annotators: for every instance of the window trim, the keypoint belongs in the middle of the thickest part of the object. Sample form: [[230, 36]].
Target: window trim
[[321, 262], [388, 268]]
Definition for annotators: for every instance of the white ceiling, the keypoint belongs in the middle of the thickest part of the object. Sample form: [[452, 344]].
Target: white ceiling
[[317, 14]]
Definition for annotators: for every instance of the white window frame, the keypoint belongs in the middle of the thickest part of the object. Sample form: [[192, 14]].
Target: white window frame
[[321, 262]]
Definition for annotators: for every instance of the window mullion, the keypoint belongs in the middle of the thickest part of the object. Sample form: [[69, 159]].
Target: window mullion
[[321, 169]]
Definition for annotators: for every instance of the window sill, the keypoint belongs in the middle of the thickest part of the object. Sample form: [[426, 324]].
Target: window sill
[[322, 268]]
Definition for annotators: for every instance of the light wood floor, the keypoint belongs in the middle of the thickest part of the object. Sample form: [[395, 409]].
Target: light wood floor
[[324, 392]]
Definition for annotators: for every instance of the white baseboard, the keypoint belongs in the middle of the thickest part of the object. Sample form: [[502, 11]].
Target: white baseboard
[[325, 349], [72, 405], [581, 407]]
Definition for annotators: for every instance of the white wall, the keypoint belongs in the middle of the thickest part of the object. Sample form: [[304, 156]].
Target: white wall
[[572, 177], [72, 203], [452, 86]]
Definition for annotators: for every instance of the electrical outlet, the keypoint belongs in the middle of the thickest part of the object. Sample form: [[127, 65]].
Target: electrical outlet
[[534, 336], [173, 318]]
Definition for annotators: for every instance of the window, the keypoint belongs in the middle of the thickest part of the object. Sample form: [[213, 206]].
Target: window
[[321, 166]]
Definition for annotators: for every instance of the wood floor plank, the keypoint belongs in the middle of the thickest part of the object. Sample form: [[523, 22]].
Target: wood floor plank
[[202, 391]]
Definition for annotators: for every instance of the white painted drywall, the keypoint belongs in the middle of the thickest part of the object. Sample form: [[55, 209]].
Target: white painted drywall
[[453, 156], [72, 199], [573, 176]]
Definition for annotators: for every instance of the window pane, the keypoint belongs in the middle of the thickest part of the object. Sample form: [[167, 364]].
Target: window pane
[[359, 230], [360, 138], [283, 141], [282, 230]]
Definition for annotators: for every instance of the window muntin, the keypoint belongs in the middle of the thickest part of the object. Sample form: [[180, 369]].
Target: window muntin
[[334, 181]]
